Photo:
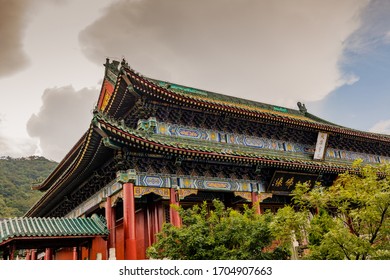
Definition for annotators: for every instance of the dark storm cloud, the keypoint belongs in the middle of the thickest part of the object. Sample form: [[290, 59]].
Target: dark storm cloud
[[63, 118], [13, 22], [14, 18], [271, 51]]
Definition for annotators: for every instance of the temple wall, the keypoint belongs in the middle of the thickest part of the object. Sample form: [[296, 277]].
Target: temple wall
[[120, 244], [141, 233], [98, 249], [84, 253], [64, 254]]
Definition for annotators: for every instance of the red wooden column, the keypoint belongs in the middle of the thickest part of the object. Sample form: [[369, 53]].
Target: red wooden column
[[256, 202], [113, 236], [174, 200], [5, 254], [110, 218], [75, 254], [12, 253], [48, 254], [28, 255], [33, 254], [129, 221]]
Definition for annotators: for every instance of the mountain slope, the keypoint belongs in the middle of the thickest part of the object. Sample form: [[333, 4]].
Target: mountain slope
[[17, 175]]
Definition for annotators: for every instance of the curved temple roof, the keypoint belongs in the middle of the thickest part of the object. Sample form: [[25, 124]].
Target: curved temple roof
[[22, 229], [123, 87], [214, 102]]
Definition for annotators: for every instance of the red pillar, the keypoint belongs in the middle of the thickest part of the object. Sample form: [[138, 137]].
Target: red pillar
[[28, 255], [75, 254], [110, 218], [12, 253], [5, 255], [255, 202], [129, 221], [113, 226], [174, 200], [33, 254], [47, 254]]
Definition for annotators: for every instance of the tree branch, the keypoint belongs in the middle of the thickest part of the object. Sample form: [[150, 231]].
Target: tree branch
[[375, 234]]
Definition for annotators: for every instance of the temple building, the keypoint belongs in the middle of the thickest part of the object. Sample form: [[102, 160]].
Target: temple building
[[151, 144]]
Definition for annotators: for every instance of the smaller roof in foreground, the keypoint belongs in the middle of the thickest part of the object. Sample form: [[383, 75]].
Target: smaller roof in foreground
[[46, 228]]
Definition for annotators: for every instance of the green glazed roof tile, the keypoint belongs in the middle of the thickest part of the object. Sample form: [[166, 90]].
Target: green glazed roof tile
[[52, 227]]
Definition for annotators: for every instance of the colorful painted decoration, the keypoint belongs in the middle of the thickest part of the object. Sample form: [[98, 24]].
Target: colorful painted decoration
[[105, 95], [265, 143]]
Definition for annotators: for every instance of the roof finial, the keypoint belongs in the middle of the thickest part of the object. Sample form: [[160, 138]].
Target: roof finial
[[124, 62], [302, 108]]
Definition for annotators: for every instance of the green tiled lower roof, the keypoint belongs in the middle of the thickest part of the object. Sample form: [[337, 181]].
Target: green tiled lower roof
[[51, 227]]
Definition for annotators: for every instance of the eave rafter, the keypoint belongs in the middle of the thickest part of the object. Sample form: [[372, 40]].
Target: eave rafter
[[70, 170]]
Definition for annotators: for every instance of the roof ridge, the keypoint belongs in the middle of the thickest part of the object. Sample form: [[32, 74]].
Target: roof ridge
[[226, 99], [253, 109]]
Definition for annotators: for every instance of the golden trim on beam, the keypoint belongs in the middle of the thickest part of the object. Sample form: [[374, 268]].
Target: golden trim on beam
[[183, 193], [116, 197], [140, 191], [264, 196], [245, 195]]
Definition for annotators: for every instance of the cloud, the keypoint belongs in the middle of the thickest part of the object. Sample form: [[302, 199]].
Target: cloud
[[387, 37], [15, 16], [375, 30], [13, 21], [270, 51], [382, 127], [63, 117], [14, 146]]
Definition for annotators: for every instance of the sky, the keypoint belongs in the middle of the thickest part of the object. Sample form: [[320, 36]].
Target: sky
[[333, 56]]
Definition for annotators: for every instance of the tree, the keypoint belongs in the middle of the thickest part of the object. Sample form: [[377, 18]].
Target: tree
[[16, 178], [217, 234], [350, 219], [5, 211]]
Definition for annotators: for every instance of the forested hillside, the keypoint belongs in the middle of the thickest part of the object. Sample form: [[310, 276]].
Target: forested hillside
[[17, 175]]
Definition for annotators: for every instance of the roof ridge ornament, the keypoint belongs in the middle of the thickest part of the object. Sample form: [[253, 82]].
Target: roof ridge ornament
[[302, 108], [113, 66], [124, 63]]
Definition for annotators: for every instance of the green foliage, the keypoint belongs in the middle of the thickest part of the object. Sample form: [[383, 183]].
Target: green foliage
[[218, 234], [16, 178], [288, 224], [351, 218]]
